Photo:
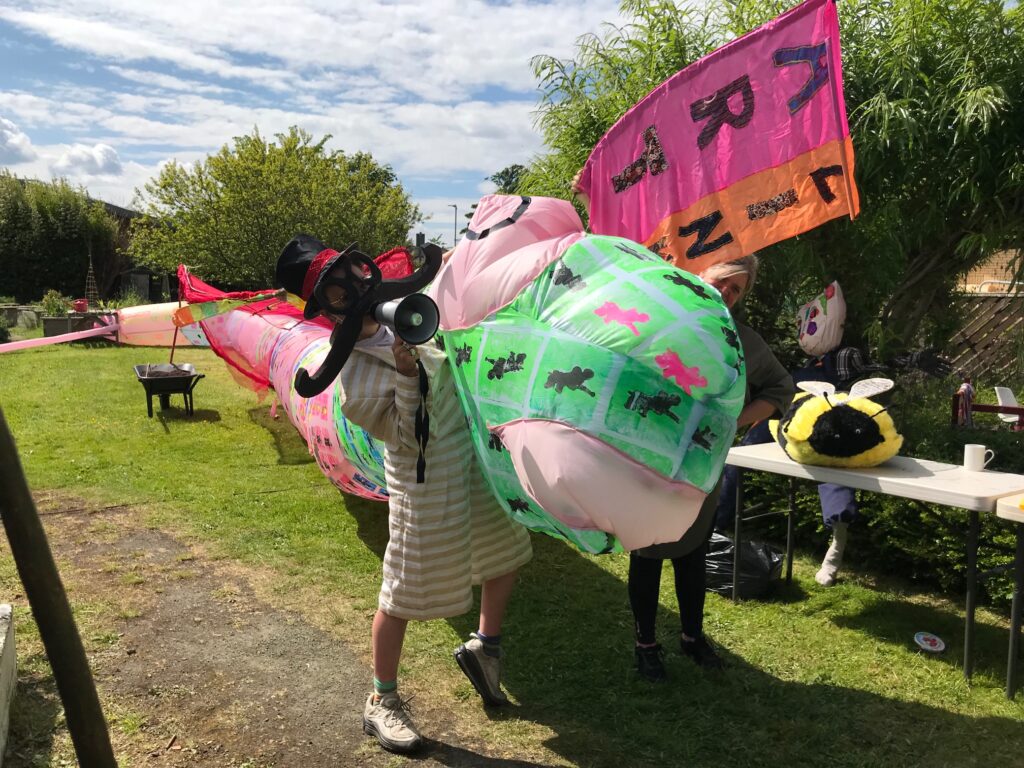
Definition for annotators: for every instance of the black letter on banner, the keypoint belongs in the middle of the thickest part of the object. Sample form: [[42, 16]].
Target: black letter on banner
[[651, 159], [704, 226], [772, 205], [819, 177], [812, 55], [715, 109]]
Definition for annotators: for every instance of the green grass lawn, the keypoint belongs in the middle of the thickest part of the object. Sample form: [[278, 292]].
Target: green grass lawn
[[816, 677]]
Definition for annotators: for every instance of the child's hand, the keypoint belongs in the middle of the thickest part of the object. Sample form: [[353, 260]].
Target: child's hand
[[574, 187], [405, 358]]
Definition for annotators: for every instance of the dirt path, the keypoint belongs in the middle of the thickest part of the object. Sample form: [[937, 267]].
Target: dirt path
[[196, 669]]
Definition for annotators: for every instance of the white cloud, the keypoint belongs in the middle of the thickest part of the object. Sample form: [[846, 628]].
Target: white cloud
[[167, 82], [82, 160], [440, 51], [441, 90], [15, 146]]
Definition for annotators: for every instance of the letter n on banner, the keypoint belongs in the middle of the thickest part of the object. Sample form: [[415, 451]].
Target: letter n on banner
[[703, 227]]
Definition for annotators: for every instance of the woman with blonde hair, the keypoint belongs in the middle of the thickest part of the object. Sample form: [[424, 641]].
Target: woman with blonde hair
[[769, 390]]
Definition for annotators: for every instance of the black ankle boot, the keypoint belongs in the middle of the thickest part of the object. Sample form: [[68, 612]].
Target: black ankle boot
[[702, 652], [649, 663]]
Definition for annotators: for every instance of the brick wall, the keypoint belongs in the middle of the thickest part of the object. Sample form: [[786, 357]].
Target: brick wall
[[997, 269]]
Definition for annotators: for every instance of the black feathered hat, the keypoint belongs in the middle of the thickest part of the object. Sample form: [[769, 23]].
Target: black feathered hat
[[302, 269], [302, 265]]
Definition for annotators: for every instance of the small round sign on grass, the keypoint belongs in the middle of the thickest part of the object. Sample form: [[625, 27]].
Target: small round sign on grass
[[926, 641]]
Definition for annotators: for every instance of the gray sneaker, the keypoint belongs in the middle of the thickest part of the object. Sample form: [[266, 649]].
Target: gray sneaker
[[389, 720], [483, 671]]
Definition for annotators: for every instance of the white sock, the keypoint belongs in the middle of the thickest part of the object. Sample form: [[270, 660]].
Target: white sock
[[826, 575]]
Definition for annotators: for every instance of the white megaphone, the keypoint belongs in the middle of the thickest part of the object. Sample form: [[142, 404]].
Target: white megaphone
[[414, 319]]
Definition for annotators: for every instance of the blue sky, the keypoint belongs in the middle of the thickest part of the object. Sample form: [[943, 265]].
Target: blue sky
[[103, 92]]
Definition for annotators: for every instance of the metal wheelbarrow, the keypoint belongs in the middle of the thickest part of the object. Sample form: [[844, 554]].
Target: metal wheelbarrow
[[166, 379]]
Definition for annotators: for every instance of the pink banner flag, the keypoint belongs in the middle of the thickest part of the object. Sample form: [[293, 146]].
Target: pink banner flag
[[743, 148]]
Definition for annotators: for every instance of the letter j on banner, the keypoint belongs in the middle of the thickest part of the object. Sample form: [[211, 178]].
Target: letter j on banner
[[743, 148]]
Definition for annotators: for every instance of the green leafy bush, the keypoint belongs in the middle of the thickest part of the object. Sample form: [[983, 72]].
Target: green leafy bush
[[7, 300], [55, 304], [129, 298], [924, 542]]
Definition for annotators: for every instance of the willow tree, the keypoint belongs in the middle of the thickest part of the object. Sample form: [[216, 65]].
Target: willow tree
[[935, 98], [229, 216]]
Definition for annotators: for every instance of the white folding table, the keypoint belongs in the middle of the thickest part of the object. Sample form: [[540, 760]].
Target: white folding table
[[1012, 508], [920, 479]]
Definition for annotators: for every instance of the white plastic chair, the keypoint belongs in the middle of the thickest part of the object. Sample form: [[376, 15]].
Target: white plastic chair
[[1005, 396]]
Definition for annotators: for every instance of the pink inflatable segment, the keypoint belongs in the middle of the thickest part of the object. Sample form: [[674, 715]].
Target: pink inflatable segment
[[150, 325], [499, 257], [606, 489], [315, 417], [268, 347], [757, 103]]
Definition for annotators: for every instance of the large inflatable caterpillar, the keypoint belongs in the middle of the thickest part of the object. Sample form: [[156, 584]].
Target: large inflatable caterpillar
[[601, 384]]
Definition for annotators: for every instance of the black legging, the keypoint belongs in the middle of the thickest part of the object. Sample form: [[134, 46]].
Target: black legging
[[645, 584]]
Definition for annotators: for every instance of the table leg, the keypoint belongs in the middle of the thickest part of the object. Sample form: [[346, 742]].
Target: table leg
[[789, 530], [736, 536], [1015, 614], [149, 405], [972, 587]]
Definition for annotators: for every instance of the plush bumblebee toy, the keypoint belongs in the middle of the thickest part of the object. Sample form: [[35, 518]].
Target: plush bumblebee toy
[[835, 429]]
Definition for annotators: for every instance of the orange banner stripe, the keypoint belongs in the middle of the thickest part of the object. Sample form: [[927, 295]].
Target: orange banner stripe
[[762, 209]]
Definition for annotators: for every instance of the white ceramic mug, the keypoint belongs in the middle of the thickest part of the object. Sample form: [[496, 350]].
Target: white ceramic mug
[[977, 457]]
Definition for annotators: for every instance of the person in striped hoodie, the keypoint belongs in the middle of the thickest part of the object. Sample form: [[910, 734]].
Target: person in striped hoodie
[[446, 530]]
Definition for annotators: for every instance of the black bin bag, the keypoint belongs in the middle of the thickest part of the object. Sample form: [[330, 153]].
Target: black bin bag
[[760, 567]]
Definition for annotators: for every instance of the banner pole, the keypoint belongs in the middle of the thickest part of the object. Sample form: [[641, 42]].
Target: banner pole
[[833, 74]]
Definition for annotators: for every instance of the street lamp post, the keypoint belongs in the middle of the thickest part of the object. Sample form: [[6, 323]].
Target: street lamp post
[[455, 224]]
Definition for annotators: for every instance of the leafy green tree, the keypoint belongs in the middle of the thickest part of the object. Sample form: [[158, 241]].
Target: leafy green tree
[[506, 181], [229, 216], [935, 97], [47, 233]]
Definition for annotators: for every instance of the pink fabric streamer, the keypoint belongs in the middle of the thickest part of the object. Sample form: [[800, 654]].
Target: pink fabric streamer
[[106, 330]]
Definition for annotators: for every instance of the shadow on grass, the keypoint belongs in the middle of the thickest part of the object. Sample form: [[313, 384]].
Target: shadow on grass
[[569, 642], [35, 710], [371, 522], [173, 415], [896, 621], [784, 593], [456, 757], [569, 638], [291, 448]]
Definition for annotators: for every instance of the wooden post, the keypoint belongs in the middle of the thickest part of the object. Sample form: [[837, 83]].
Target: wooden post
[[51, 610]]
